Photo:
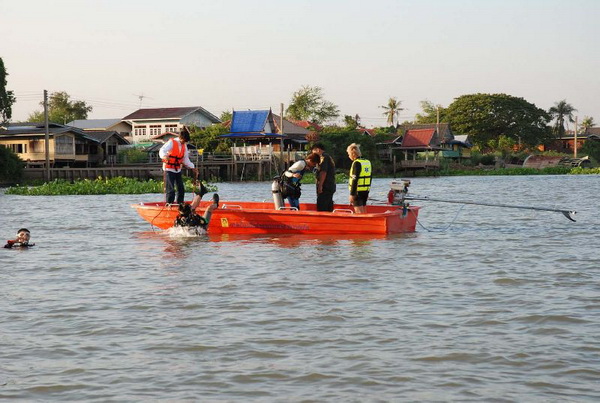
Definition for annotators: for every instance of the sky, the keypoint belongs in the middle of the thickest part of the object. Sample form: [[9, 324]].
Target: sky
[[236, 54]]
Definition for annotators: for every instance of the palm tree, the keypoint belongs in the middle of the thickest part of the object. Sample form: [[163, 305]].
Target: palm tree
[[561, 111], [588, 122], [392, 109]]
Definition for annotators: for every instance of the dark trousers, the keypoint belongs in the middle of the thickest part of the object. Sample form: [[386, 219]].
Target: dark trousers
[[174, 180], [325, 201]]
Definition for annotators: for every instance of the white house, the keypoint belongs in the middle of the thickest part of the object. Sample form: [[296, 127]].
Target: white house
[[147, 123]]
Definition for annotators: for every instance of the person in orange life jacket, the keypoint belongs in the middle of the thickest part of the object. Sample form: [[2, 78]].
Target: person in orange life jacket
[[21, 241], [359, 184], [294, 175], [174, 154], [325, 179]]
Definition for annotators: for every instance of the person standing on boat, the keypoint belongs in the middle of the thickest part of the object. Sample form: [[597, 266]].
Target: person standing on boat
[[174, 154], [293, 175], [325, 179], [359, 184]]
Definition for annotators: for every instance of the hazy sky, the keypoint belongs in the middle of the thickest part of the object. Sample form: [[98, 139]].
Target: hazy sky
[[238, 54]]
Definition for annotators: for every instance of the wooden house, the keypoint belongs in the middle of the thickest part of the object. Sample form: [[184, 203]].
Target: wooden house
[[68, 146]]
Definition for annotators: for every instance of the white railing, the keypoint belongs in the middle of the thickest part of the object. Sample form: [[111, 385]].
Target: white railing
[[252, 153]]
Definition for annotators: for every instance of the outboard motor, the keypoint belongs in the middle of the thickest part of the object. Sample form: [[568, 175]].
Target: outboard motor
[[398, 191], [277, 198]]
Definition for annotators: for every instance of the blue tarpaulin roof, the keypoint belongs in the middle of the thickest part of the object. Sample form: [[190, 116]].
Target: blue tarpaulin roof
[[249, 121]]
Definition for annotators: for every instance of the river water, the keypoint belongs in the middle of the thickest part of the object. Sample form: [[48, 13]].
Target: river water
[[480, 304]]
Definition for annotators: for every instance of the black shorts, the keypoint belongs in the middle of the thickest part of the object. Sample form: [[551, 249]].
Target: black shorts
[[361, 199]]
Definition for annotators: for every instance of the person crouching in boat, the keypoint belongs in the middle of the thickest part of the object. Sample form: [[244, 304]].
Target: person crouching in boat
[[360, 179], [293, 175], [21, 241], [188, 217], [174, 154]]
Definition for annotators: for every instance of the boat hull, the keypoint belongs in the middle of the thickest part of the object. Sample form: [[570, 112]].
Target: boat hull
[[235, 217]]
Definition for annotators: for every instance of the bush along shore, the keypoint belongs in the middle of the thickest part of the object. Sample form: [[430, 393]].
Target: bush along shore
[[122, 185], [99, 186], [521, 171]]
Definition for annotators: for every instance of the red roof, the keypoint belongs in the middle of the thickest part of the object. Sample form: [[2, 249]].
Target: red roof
[[306, 124], [418, 138]]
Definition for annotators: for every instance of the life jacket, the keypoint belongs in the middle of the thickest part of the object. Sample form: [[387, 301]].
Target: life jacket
[[175, 157], [364, 176]]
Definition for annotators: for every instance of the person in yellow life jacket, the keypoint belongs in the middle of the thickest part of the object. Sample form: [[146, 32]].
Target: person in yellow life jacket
[[360, 179], [174, 154]]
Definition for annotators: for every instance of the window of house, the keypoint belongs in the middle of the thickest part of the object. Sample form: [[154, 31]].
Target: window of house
[[37, 146], [63, 144], [155, 130], [139, 130], [171, 128], [18, 148], [81, 147]]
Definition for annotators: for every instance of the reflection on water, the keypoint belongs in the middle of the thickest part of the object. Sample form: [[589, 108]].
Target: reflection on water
[[499, 306]]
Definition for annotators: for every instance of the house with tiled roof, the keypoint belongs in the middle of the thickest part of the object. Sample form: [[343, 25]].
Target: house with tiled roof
[[146, 123]]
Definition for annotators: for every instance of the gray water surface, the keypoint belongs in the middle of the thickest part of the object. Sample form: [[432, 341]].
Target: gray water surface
[[479, 304]]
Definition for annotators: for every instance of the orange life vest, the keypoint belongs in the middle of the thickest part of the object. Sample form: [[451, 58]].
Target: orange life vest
[[175, 157]]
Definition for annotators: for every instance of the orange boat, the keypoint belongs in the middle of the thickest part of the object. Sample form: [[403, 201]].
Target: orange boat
[[236, 217]]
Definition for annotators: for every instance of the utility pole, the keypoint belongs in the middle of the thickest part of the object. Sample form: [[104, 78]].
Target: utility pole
[[437, 123], [281, 132], [47, 136], [575, 140]]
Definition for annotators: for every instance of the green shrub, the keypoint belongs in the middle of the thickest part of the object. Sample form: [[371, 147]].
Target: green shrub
[[132, 156], [98, 186], [11, 166]]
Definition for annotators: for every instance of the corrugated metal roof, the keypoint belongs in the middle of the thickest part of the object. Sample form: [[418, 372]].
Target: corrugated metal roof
[[249, 121], [98, 124]]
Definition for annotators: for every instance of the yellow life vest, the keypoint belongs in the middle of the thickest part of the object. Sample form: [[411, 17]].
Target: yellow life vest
[[364, 177]]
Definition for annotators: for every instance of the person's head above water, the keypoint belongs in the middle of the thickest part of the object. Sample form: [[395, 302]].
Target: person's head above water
[[23, 235]]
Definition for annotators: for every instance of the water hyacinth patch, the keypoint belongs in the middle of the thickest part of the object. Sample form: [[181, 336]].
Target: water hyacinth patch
[[99, 186]]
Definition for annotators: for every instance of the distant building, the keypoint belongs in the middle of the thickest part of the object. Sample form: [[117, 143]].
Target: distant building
[[68, 146], [110, 125], [147, 123]]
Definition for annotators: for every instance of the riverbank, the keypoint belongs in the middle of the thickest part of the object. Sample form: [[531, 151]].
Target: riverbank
[[120, 185]]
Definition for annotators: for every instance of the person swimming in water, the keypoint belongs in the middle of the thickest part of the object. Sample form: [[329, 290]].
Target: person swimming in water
[[21, 241]]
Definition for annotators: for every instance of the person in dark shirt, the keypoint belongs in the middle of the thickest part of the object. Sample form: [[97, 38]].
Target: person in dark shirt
[[325, 179]]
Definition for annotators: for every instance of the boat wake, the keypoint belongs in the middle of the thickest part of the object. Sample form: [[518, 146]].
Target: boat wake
[[185, 232]]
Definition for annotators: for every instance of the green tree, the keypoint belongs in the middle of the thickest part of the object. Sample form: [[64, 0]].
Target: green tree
[[352, 122], [392, 110], [486, 117], [11, 166], [336, 139], [208, 139], [308, 104], [7, 98], [561, 111], [430, 112], [588, 122], [61, 109], [225, 116], [592, 148]]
